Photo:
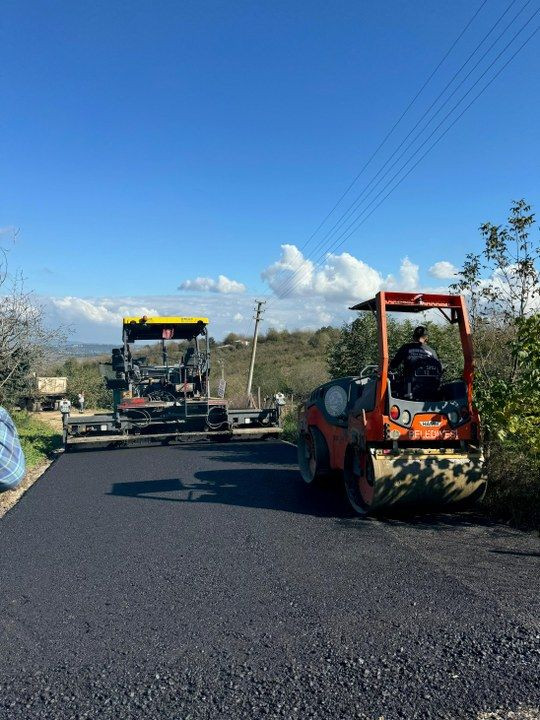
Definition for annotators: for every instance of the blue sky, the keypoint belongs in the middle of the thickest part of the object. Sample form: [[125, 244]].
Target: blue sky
[[145, 145]]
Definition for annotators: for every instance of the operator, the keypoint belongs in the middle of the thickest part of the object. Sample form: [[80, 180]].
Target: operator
[[416, 355]]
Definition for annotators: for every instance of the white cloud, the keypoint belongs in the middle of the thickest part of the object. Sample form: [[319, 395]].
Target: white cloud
[[100, 319], [205, 284], [342, 277], [292, 270], [320, 296], [443, 270], [102, 311], [408, 273], [323, 316]]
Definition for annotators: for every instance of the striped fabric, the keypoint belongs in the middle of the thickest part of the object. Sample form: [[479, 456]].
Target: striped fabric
[[12, 465]]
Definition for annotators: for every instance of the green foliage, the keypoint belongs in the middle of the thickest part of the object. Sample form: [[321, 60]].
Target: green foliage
[[511, 407], [38, 440], [287, 362], [84, 375], [357, 345], [502, 284], [290, 426], [514, 487], [16, 375], [503, 281], [154, 353], [232, 338]]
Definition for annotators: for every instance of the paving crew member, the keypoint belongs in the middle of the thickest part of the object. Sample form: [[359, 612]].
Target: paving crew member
[[419, 360], [12, 464]]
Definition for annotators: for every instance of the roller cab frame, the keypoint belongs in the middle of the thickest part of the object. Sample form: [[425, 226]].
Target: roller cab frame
[[168, 402], [389, 447]]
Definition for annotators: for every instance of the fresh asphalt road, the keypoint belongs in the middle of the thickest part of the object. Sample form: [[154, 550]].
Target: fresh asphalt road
[[207, 581]]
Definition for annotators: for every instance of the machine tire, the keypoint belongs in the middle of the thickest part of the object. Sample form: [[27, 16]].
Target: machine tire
[[359, 479], [313, 456]]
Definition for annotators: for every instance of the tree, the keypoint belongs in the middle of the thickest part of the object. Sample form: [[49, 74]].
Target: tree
[[357, 345], [23, 335], [85, 375], [502, 284]]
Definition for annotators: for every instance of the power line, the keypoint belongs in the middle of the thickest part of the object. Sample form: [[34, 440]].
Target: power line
[[395, 125], [363, 194], [426, 126], [283, 287], [445, 131], [346, 234]]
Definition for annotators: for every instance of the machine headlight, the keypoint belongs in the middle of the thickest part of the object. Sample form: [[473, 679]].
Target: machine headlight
[[453, 416], [405, 417]]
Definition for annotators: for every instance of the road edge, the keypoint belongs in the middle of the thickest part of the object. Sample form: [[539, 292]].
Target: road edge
[[9, 498]]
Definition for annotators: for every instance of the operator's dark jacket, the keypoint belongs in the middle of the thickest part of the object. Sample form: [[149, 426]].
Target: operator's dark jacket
[[412, 355]]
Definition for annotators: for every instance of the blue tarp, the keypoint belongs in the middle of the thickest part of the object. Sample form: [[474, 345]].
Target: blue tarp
[[12, 464]]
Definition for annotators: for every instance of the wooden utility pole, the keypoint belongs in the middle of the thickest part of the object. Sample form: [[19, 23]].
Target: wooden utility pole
[[257, 318]]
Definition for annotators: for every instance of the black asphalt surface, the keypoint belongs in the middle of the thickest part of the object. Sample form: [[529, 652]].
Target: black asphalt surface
[[207, 581]]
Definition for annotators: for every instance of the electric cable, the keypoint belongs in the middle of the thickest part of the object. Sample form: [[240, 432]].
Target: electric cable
[[285, 290]]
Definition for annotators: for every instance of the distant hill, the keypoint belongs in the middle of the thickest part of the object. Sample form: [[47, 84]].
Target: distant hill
[[82, 350]]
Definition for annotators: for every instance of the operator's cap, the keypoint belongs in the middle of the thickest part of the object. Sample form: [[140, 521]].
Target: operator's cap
[[420, 332]]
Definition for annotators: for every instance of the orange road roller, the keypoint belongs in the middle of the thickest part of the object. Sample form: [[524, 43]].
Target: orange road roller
[[398, 438]]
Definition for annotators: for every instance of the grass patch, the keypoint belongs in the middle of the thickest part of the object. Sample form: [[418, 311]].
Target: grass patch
[[290, 426], [38, 439], [513, 493]]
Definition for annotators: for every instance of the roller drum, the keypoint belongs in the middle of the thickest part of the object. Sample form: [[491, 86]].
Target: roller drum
[[427, 478], [379, 480]]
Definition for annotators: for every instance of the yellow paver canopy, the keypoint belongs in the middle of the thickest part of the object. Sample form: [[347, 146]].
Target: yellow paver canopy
[[163, 328]]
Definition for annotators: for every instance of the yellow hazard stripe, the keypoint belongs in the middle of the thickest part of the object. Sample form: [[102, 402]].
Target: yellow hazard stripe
[[166, 320]]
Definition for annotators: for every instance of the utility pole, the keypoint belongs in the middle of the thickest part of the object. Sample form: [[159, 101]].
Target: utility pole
[[257, 319]]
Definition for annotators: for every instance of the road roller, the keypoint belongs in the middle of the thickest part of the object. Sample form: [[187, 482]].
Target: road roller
[[390, 444]]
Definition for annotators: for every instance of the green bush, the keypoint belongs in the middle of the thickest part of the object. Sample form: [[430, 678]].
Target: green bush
[[290, 426], [85, 375], [357, 344], [514, 485]]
